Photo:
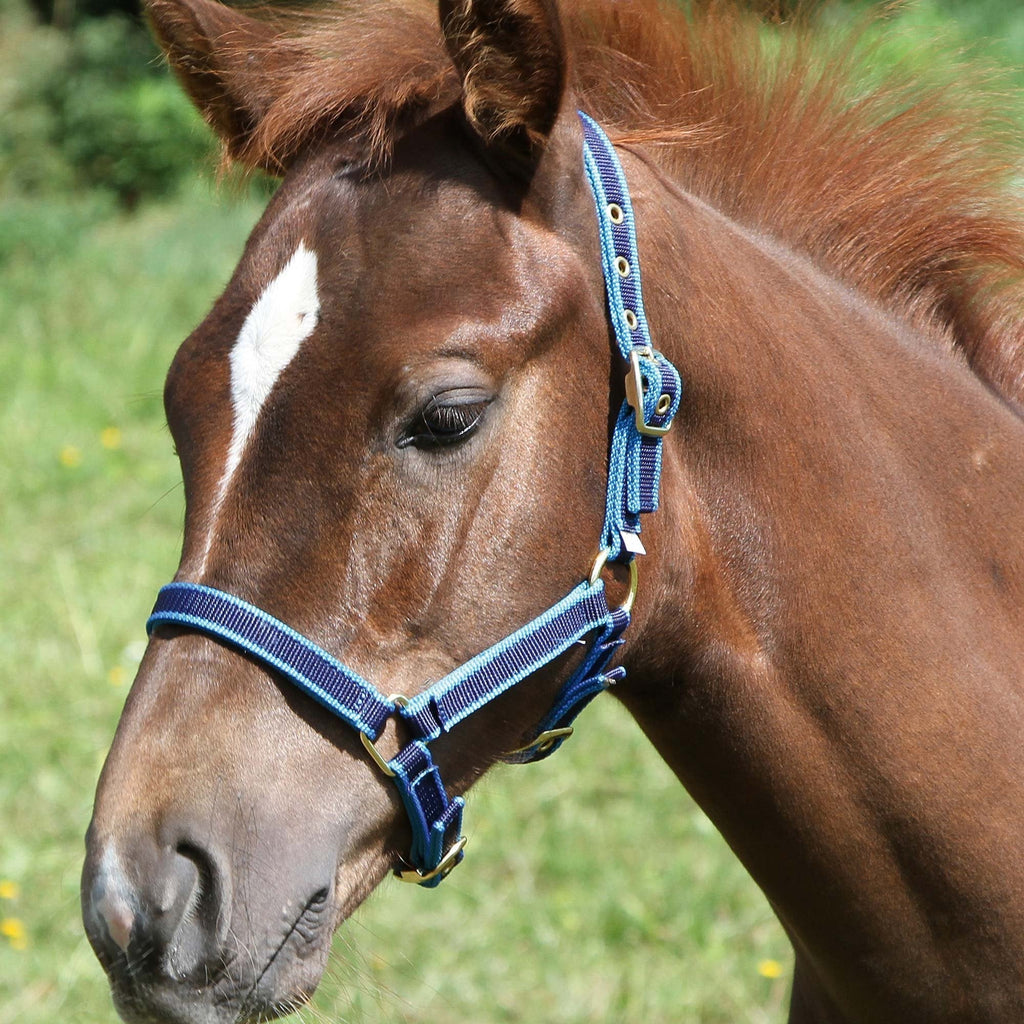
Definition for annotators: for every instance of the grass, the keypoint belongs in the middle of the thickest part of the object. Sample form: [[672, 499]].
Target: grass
[[594, 890]]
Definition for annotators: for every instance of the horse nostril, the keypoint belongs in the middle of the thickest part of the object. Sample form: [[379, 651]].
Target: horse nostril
[[205, 906], [192, 861], [167, 916]]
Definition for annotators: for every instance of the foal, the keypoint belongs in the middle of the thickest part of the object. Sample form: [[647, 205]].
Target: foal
[[394, 429]]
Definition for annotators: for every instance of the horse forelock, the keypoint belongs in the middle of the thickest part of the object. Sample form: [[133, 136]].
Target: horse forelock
[[903, 185]]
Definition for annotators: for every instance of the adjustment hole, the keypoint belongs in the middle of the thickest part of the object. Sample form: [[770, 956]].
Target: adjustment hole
[[631, 320], [615, 214], [622, 266]]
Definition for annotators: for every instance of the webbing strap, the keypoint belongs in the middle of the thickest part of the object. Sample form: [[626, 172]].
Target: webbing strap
[[509, 661], [250, 629], [635, 462], [435, 818], [617, 232]]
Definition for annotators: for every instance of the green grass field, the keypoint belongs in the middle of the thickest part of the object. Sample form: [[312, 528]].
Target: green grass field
[[593, 890]]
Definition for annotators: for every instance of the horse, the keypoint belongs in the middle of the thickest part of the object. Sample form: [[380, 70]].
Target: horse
[[398, 429]]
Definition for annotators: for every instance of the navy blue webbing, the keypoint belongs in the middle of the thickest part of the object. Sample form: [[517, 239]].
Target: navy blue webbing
[[635, 460], [250, 629]]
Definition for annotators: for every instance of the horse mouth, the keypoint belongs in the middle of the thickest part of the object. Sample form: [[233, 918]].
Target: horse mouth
[[307, 937], [244, 988]]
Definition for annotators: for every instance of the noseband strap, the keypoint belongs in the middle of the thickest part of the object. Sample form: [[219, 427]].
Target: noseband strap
[[653, 390]]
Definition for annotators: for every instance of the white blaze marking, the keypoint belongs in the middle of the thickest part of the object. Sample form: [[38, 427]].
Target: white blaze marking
[[283, 317]]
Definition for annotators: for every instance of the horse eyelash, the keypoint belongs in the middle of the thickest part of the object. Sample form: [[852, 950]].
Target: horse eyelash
[[441, 424]]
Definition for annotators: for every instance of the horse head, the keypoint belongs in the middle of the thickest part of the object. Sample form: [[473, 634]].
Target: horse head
[[399, 404]]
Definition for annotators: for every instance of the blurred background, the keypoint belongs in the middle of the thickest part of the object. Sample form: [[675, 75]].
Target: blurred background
[[594, 890]]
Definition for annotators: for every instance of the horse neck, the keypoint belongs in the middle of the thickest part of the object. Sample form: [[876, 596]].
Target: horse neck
[[830, 651]]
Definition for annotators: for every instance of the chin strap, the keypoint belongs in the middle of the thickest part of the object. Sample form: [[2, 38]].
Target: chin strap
[[653, 391]]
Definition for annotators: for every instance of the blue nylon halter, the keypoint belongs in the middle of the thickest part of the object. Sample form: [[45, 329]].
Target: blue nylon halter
[[653, 391]]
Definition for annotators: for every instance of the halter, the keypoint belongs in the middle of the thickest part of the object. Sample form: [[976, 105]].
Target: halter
[[653, 391]]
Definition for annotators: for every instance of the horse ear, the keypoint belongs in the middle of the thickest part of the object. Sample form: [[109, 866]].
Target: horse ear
[[510, 57], [215, 52]]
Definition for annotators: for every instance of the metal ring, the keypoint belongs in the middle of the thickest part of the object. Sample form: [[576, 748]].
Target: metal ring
[[634, 577], [599, 564], [631, 320], [615, 214], [664, 404], [545, 741], [376, 756], [399, 700], [622, 266], [444, 867]]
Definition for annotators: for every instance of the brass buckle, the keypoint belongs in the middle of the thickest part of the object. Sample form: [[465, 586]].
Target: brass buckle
[[399, 700], [444, 868], [545, 741], [634, 393], [634, 577]]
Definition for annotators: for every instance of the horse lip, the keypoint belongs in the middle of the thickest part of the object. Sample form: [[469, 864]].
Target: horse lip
[[160, 1005]]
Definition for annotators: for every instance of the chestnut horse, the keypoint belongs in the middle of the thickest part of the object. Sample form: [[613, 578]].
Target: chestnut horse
[[394, 430]]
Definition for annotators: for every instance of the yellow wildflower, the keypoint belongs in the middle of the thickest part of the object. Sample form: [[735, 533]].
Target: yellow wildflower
[[110, 438], [14, 931], [769, 969], [8, 889], [70, 456], [117, 675]]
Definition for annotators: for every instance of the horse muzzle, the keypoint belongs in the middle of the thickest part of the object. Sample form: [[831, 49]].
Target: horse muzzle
[[160, 917], [205, 931]]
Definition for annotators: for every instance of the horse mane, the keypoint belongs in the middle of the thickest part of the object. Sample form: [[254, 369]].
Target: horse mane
[[906, 186]]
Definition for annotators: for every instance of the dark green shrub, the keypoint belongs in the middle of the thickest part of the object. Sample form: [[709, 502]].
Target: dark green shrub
[[92, 108]]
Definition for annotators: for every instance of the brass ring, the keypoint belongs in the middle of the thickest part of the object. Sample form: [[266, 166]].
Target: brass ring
[[634, 578], [664, 404], [615, 214], [376, 756], [545, 741], [622, 266], [631, 320], [399, 700]]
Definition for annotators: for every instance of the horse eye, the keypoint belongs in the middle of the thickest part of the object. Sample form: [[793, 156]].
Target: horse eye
[[447, 419]]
